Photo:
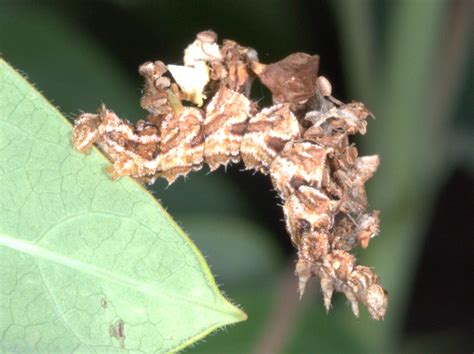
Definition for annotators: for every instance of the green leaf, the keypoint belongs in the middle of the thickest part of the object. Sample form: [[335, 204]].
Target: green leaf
[[88, 264]]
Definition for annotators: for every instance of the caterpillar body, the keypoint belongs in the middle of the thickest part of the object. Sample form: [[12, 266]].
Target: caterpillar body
[[301, 142]]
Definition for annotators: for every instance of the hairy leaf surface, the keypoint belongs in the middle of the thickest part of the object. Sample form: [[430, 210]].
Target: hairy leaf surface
[[89, 264]]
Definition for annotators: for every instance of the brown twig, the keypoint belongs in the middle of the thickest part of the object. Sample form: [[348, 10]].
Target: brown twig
[[286, 311]]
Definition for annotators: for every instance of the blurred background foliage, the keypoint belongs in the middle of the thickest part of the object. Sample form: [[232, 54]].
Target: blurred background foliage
[[410, 61]]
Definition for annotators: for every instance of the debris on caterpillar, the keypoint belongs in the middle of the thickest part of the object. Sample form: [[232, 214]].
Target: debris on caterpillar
[[202, 113], [225, 124], [267, 134]]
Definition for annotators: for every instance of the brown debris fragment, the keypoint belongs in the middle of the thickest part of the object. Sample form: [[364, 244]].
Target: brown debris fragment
[[237, 61], [368, 226], [86, 131], [155, 97], [117, 331], [292, 79]]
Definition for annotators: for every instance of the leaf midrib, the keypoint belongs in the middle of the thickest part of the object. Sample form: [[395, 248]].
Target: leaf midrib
[[36, 251]]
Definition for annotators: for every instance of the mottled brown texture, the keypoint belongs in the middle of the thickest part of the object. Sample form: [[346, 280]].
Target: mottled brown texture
[[311, 205], [129, 147], [267, 134], [292, 79], [301, 160], [227, 109], [302, 142], [182, 143]]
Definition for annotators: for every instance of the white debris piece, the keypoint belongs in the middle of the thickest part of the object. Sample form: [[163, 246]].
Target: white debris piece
[[191, 80]]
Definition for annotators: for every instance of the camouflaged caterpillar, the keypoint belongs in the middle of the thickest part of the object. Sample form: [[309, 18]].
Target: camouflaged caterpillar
[[202, 114]]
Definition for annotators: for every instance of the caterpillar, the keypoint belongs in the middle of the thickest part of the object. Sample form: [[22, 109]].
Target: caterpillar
[[202, 113]]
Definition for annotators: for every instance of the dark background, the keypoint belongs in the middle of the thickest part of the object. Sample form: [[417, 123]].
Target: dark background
[[410, 61]]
